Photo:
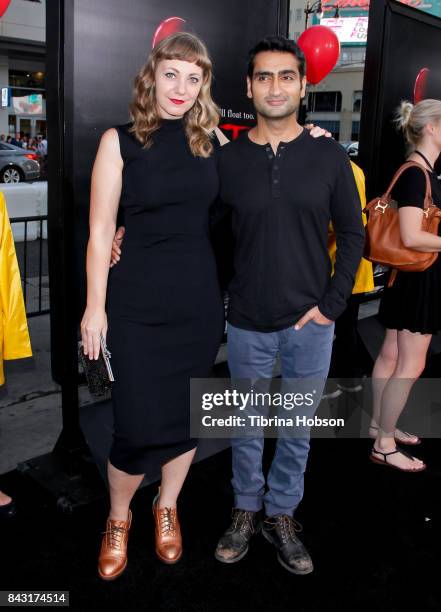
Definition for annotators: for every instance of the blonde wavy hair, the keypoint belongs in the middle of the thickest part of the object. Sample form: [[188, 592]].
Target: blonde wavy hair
[[201, 119], [412, 119]]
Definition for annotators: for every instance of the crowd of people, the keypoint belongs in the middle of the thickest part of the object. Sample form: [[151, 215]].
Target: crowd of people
[[37, 145], [26, 141]]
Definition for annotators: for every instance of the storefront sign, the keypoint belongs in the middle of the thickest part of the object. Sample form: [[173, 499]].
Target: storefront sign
[[348, 29], [30, 105], [5, 96], [362, 6]]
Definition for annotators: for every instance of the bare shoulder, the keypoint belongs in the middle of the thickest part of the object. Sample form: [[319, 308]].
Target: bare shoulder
[[110, 138], [109, 146]]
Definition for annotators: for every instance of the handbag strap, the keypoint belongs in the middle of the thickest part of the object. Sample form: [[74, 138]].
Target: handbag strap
[[399, 172]]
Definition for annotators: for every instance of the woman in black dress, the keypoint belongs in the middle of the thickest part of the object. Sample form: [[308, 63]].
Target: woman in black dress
[[411, 309], [163, 316]]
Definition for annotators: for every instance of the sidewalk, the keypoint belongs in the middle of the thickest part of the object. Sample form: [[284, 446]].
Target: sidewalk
[[30, 402]]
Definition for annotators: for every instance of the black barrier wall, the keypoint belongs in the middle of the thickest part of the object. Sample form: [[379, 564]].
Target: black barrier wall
[[401, 42]]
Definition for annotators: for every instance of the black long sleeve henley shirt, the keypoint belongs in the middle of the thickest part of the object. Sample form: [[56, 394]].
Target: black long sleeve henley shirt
[[281, 206]]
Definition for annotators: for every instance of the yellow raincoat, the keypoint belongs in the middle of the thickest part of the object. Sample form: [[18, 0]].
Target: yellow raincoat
[[364, 279], [14, 334]]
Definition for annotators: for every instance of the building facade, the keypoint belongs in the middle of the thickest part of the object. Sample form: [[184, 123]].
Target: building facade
[[23, 68], [335, 102]]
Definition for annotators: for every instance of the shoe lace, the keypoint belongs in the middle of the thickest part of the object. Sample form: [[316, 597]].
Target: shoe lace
[[114, 535], [167, 519], [288, 527], [245, 518]]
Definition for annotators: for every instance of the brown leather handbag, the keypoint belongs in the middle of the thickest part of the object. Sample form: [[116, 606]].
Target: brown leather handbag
[[383, 239]]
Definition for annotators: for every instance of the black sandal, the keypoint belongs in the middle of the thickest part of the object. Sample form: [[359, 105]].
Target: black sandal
[[385, 462]]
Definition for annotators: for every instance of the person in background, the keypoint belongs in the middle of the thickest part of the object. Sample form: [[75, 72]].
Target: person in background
[[14, 335], [2, 138], [410, 310], [9, 139], [42, 154], [32, 144], [41, 145], [346, 347]]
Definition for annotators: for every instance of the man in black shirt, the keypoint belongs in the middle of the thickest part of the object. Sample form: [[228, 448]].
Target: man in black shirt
[[283, 188]]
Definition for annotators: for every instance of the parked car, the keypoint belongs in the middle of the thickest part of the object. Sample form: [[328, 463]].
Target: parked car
[[17, 164], [351, 148]]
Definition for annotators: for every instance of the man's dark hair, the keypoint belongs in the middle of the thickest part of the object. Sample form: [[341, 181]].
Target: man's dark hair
[[277, 43]]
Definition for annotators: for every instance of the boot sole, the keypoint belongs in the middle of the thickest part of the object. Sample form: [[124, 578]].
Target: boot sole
[[282, 562]]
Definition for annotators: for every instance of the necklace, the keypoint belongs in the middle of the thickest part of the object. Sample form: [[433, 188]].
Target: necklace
[[426, 160]]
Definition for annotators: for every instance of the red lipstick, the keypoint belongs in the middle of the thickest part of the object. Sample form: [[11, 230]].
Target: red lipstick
[[175, 101]]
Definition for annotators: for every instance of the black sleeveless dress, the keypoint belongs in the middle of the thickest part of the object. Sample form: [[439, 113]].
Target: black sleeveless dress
[[414, 300], [164, 306]]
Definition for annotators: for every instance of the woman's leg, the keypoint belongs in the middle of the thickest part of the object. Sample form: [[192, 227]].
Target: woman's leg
[[122, 488], [173, 475], [168, 539], [383, 369], [112, 559], [412, 352]]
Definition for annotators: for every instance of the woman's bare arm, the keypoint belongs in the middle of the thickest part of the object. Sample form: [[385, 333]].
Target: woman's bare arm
[[104, 202], [412, 235]]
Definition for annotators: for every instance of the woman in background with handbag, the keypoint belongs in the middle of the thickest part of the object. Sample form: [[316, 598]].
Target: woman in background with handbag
[[411, 308]]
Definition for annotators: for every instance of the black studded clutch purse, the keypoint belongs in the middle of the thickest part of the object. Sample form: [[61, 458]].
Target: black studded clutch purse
[[98, 372]]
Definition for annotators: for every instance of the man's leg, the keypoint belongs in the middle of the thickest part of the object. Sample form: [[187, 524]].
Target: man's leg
[[251, 355], [305, 354]]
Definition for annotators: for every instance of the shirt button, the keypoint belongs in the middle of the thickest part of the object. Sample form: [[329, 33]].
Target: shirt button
[[276, 180], [270, 156], [276, 167], [268, 149]]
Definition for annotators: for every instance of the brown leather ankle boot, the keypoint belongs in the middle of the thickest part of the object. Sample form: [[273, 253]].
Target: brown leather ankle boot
[[168, 540], [113, 555]]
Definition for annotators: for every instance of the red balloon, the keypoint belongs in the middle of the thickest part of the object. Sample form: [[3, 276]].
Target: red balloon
[[166, 28], [3, 6], [321, 48], [419, 90]]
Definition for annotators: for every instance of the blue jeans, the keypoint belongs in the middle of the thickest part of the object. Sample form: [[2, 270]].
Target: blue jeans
[[305, 353]]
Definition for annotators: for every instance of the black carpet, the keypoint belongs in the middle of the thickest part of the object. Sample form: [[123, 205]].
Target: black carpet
[[373, 533]]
